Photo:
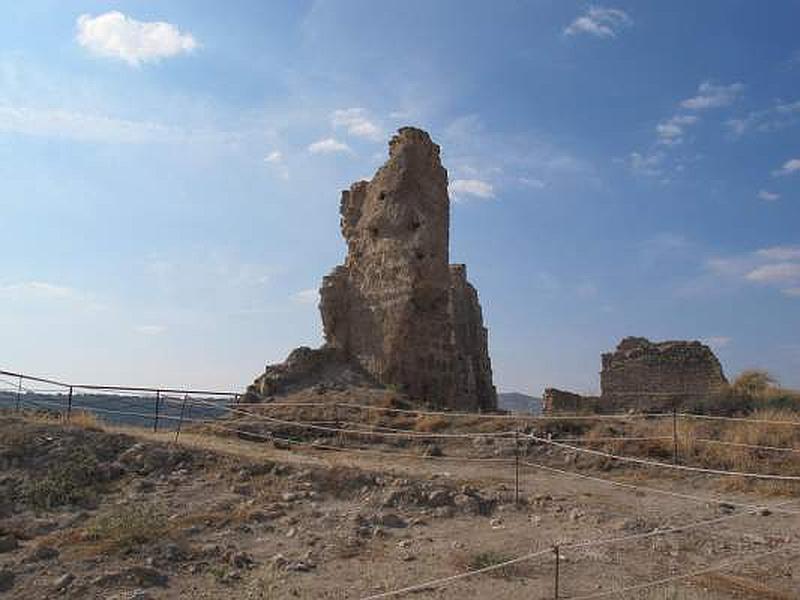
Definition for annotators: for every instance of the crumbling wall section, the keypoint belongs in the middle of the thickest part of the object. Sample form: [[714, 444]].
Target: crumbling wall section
[[645, 376]]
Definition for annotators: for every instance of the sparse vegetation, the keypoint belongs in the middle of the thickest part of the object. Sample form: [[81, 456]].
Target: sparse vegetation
[[489, 558], [71, 481], [126, 528], [752, 390]]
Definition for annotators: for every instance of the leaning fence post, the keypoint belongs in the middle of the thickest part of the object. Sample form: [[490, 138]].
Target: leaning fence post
[[555, 583], [675, 435], [155, 420], [516, 466], [69, 403], [180, 421], [19, 392]]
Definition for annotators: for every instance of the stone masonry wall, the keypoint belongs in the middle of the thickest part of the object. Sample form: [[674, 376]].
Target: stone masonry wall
[[396, 306], [646, 376]]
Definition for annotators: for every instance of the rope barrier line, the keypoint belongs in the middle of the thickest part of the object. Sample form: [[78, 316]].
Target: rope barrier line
[[737, 419], [642, 488], [704, 571], [445, 580], [359, 432], [515, 416], [315, 446], [654, 463], [572, 546], [742, 445]]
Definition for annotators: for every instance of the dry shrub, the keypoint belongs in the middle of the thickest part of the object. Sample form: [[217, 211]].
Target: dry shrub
[[86, 420], [431, 423], [126, 528]]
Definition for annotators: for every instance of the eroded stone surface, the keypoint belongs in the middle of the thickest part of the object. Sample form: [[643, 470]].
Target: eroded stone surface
[[646, 375], [396, 307]]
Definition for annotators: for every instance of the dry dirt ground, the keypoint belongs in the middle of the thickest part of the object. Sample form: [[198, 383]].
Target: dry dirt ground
[[90, 512]]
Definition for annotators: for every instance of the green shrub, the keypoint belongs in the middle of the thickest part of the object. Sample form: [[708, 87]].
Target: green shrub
[[71, 481]]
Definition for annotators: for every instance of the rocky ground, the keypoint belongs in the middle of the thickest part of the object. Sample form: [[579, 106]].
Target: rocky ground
[[90, 512]]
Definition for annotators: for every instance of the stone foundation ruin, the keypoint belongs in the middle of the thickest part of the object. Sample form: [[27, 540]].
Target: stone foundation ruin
[[648, 376], [396, 310], [645, 376]]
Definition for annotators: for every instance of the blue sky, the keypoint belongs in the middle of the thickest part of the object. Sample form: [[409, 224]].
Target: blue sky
[[170, 176]]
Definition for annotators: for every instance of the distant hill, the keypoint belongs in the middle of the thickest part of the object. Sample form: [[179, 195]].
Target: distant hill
[[521, 403]]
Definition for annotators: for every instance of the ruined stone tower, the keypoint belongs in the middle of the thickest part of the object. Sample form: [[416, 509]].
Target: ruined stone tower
[[397, 307]]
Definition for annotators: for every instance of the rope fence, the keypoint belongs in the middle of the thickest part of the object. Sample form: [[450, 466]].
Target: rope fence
[[171, 408]]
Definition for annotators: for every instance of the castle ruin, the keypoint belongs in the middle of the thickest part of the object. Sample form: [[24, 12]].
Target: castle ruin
[[396, 310]]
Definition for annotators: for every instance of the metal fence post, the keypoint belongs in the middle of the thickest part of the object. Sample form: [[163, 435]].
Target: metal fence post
[[180, 421], [155, 420], [69, 403], [558, 560], [516, 466], [19, 392], [675, 435]]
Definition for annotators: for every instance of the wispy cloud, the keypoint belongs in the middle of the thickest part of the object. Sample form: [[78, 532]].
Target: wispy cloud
[[85, 127], [784, 272], [775, 266], [710, 95], [789, 167], [775, 118], [533, 182], [717, 341], [150, 329], [275, 160], [460, 188], [650, 164], [116, 35], [779, 253], [599, 22], [768, 196], [671, 131], [328, 146], [43, 291], [356, 123], [309, 296]]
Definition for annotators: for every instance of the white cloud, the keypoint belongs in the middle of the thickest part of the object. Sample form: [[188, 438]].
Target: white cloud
[[275, 160], [37, 289], [328, 146], [470, 187], [776, 266], [789, 167], [600, 22], [768, 196], [83, 127], [780, 116], [717, 341], [783, 272], [309, 296], [150, 329], [710, 95], [780, 253], [671, 131], [42, 291], [794, 292], [646, 164], [116, 35], [355, 121], [533, 182]]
